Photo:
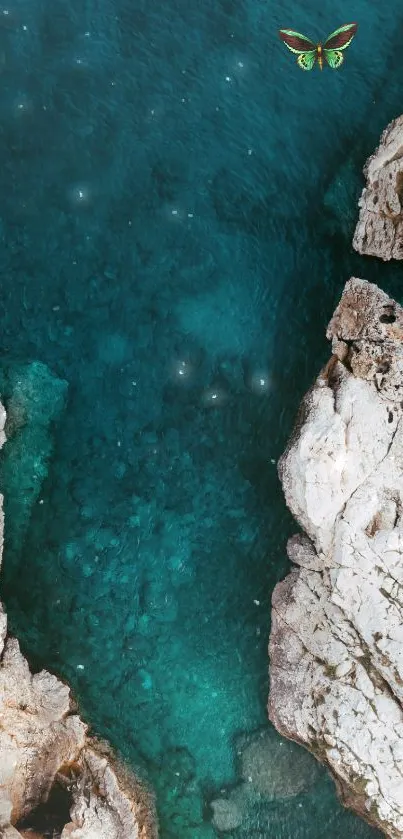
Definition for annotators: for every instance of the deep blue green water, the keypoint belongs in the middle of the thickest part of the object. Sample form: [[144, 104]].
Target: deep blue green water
[[177, 206]]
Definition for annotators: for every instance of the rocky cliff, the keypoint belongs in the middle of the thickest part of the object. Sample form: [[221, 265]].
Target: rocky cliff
[[54, 779], [336, 646], [379, 231]]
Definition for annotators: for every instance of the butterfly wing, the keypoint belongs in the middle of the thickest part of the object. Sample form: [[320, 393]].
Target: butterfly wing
[[337, 41], [295, 42], [307, 60], [334, 58], [302, 46]]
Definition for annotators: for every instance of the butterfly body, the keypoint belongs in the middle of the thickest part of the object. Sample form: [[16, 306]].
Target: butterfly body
[[319, 56], [330, 52]]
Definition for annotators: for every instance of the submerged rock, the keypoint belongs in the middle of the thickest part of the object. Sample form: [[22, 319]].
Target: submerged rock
[[273, 767], [270, 769], [55, 779], [34, 399], [336, 649], [379, 231], [227, 815]]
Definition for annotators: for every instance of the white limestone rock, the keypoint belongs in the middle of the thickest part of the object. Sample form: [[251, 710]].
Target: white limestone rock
[[336, 645], [108, 800], [379, 231]]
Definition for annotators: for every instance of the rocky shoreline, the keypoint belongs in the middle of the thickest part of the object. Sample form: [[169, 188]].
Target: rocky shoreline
[[379, 231], [55, 779], [336, 643]]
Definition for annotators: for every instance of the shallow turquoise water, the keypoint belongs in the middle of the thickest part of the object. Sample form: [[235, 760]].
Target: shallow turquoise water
[[178, 201]]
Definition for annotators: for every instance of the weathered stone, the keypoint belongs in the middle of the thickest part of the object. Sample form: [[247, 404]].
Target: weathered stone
[[336, 645], [226, 814], [379, 231]]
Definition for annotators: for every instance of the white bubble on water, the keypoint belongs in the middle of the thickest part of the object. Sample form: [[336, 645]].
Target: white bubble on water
[[22, 105], [80, 195], [214, 397], [181, 369]]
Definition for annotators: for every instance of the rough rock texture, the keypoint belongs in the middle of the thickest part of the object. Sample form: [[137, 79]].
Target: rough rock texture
[[336, 644], [379, 231], [46, 758]]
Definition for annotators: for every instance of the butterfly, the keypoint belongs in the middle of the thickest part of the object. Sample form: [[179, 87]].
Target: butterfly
[[330, 52]]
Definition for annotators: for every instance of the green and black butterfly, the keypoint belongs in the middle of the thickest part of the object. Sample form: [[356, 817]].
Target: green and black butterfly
[[330, 52]]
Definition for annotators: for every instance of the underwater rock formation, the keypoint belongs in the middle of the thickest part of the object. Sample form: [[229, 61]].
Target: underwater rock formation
[[336, 648], [55, 779], [270, 769], [379, 231], [34, 399]]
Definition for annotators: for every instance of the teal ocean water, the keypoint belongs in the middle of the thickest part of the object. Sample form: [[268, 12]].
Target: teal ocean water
[[178, 202]]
